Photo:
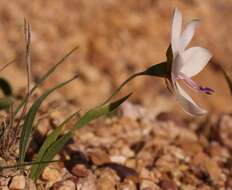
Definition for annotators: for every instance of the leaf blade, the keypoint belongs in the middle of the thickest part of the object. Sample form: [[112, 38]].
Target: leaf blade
[[44, 77], [28, 123], [49, 154], [51, 138], [88, 117]]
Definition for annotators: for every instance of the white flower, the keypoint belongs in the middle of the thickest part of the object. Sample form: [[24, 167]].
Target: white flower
[[186, 63]]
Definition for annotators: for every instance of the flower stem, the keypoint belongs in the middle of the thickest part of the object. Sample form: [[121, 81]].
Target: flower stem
[[121, 86]]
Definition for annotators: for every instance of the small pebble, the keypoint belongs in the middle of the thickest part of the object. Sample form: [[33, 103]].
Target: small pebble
[[67, 185], [118, 159], [148, 185], [80, 170], [51, 174]]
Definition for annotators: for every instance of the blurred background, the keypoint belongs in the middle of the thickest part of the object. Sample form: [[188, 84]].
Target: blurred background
[[116, 38]]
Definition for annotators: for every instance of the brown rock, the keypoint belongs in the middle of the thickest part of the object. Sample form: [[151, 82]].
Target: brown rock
[[65, 185], [80, 170], [132, 111], [128, 185], [168, 185], [187, 187], [208, 170], [225, 130], [18, 182], [127, 152], [148, 185], [98, 156], [215, 172], [146, 174], [88, 183], [137, 146], [51, 174], [123, 172], [4, 181], [107, 180], [218, 152], [190, 147], [229, 182], [166, 163], [4, 188], [168, 116], [30, 185], [120, 159], [131, 163]]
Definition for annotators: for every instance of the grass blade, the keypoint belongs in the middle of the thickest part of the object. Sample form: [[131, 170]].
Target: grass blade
[[50, 71], [57, 146], [27, 164], [44, 77], [49, 155], [51, 138], [27, 33], [28, 123]]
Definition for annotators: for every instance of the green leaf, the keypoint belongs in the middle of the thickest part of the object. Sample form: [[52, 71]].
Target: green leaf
[[85, 119], [158, 70], [28, 123], [50, 71], [44, 77], [6, 87], [51, 138], [98, 111], [26, 164], [5, 103]]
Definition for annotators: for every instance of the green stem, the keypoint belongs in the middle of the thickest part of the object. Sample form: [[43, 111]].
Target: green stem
[[120, 87]]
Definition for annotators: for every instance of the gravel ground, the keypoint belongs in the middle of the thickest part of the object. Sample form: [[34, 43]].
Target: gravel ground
[[134, 149], [149, 144]]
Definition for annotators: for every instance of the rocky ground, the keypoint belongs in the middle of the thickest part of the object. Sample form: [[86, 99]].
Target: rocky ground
[[149, 143], [135, 149]]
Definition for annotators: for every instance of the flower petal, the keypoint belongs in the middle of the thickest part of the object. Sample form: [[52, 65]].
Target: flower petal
[[177, 64], [176, 30], [187, 35], [194, 60], [187, 102]]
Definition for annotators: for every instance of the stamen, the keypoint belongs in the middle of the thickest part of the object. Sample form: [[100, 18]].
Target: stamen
[[206, 90], [193, 85], [188, 82]]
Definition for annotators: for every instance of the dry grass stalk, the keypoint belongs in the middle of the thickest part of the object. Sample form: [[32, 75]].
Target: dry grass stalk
[[11, 129]]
